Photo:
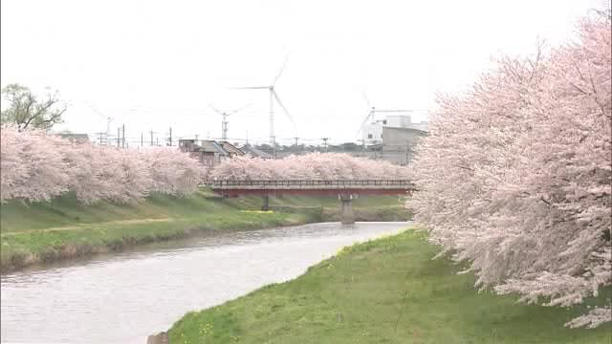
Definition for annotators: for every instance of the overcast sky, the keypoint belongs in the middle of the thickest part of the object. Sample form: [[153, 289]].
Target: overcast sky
[[154, 64]]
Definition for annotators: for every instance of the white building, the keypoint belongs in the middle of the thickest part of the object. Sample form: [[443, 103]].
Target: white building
[[373, 131]]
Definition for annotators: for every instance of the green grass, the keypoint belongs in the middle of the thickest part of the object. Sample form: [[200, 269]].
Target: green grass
[[67, 211], [63, 228], [383, 291]]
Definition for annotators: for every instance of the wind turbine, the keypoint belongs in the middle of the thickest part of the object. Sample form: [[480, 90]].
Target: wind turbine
[[108, 119], [273, 98], [224, 121]]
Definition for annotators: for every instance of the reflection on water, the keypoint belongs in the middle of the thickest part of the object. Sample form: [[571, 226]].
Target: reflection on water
[[123, 298]]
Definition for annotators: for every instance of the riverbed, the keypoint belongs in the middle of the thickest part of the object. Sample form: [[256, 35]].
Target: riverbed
[[123, 298]]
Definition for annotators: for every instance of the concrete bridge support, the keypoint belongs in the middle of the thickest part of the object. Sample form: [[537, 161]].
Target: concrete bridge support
[[346, 208], [266, 203]]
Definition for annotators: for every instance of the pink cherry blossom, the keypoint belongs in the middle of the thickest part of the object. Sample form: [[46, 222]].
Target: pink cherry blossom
[[321, 166], [515, 177], [36, 167]]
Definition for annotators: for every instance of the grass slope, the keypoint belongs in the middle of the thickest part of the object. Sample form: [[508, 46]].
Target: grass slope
[[63, 228], [383, 291]]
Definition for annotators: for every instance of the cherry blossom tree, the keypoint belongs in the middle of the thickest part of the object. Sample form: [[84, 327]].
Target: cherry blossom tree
[[172, 172], [11, 163], [31, 168], [91, 177], [36, 167], [322, 166], [515, 176]]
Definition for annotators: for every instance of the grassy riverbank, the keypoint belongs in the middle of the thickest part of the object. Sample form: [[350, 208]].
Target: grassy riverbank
[[383, 291], [64, 228]]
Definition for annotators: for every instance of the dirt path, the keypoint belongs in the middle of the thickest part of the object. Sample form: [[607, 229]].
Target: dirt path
[[85, 225]]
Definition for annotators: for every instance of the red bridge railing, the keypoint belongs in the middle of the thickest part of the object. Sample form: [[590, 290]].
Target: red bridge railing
[[270, 184], [369, 186]]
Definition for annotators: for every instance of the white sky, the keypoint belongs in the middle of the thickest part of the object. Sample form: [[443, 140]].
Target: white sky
[[153, 64]]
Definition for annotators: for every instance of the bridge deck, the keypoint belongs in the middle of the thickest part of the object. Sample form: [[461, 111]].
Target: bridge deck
[[311, 187]]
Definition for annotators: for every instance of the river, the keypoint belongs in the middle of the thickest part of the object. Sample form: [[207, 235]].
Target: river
[[123, 298]]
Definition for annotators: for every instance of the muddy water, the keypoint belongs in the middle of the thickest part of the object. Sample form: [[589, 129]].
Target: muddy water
[[124, 298]]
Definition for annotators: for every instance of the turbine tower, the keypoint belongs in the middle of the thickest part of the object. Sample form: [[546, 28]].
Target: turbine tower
[[273, 97], [224, 120], [108, 122]]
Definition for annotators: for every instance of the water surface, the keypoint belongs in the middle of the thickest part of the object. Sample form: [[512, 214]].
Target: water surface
[[125, 297]]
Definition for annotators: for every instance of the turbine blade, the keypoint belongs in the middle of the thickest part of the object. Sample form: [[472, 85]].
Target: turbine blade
[[250, 88], [94, 109], [365, 120], [284, 109], [365, 97], [238, 109], [215, 109], [280, 72]]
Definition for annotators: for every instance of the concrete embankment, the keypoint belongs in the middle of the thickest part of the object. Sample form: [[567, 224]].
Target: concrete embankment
[[160, 338]]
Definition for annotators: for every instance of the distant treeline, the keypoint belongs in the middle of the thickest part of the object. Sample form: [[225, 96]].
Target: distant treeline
[[38, 167]]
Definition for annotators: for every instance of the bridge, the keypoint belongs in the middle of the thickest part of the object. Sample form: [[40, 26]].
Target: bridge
[[346, 190]]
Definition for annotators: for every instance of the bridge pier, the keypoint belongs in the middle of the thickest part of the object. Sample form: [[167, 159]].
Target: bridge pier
[[346, 190], [347, 216]]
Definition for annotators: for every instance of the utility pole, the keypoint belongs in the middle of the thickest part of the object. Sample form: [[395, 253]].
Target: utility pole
[[123, 138], [296, 144], [170, 136], [272, 137], [108, 122], [325, 142], [100, 138], [224, 126], [151, 138], [363, 147], [141, 139]]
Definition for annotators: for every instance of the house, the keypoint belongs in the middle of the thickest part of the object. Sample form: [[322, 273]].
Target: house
[[231, 150], [208, 152], [254, 152], [75, 138]]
